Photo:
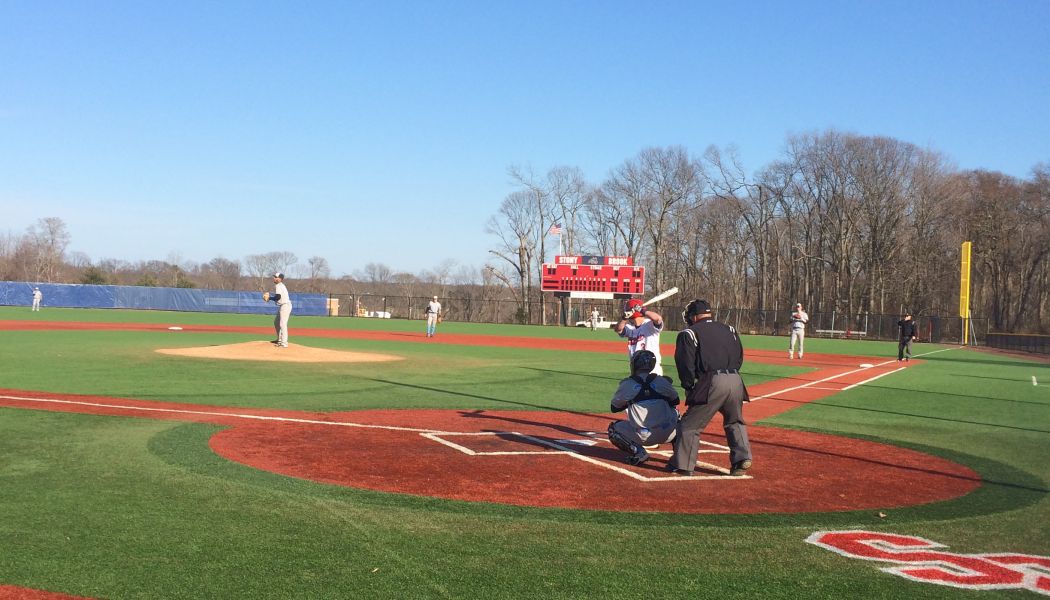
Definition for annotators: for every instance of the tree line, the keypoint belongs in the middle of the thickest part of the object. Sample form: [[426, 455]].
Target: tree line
[[840, 222]]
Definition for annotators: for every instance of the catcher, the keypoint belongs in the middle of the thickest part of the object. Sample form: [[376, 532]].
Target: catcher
[[284, 309], [650, 401]]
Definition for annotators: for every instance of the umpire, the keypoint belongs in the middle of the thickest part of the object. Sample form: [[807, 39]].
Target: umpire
[[708, 356]]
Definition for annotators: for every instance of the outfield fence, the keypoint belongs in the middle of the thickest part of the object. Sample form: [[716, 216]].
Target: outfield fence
[[1019, 342], [68, 295]]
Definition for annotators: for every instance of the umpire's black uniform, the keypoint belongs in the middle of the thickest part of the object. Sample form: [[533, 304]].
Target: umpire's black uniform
[[708, 355]]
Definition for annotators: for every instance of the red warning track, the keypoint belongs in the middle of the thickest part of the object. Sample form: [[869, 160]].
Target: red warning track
[[558, 459]]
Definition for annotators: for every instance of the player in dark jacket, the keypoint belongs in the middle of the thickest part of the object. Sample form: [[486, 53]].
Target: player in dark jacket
[[708, 355], [907, 327]]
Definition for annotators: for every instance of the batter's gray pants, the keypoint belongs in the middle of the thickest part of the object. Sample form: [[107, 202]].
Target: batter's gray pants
[[726, 397]]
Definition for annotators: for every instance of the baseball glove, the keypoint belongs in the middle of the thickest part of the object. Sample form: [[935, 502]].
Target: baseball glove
[[266, 296], [440, 318]]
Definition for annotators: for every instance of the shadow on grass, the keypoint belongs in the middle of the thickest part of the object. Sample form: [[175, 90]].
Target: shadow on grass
[[481, 414], [489, 398], [612, 388]]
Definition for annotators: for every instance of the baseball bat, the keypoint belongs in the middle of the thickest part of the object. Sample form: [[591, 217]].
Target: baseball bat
[[661, 296]]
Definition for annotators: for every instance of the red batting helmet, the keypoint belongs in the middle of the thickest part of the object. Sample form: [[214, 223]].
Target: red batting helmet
[[634, 305]]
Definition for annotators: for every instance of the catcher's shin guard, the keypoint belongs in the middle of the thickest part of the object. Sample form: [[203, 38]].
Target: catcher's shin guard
[[621, 442]]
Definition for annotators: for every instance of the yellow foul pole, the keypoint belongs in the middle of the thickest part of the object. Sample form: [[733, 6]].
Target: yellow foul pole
[[964, 291]]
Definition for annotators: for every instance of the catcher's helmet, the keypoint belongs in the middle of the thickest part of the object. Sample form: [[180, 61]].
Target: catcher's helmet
[[696, 307], [643, 361]]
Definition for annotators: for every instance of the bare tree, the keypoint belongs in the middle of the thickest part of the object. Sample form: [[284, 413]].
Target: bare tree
[[263, 266], [43, 248], [515, 228], [222, 273], [376, 273]]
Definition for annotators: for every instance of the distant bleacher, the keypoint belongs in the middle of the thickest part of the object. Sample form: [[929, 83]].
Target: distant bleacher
[[839, 333]]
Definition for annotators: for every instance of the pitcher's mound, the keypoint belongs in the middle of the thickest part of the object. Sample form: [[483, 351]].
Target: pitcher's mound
[[267, 351]]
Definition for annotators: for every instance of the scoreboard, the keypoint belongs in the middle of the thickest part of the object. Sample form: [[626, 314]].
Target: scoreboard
[[593, 276]]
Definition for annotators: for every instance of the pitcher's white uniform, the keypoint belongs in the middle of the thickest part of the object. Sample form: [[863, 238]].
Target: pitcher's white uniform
[[284, 310]]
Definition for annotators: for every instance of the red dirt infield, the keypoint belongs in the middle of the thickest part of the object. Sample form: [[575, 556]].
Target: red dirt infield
[[10, 592], [558, 459]]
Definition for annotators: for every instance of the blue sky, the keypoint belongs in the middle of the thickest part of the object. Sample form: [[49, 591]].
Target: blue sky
[[382, 131]]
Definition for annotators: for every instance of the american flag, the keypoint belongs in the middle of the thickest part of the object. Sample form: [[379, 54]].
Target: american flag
[[555, 229]]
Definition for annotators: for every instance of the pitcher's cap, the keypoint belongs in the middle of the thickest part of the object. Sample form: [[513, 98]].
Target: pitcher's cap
[[279, 275]]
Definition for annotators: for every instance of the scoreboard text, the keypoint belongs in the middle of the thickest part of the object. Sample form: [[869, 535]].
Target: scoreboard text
[[600, 274]]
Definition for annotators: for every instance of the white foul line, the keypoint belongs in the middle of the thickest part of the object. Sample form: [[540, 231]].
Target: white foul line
[[222, 414], [834, 377], [850, 387]]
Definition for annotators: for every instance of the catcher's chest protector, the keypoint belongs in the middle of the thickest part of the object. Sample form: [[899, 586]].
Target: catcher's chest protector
[[647, 392]]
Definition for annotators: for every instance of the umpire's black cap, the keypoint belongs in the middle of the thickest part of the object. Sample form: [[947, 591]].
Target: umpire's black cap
[[696, 307]]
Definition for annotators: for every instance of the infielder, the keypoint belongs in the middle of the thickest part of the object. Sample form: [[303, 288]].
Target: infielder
[[650, 402], [799, 318], [433, 311], [284, 309], [642, 328], [37, 297]]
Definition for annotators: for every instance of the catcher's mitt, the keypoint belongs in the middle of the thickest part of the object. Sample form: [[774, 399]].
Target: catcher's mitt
[[266, 296]]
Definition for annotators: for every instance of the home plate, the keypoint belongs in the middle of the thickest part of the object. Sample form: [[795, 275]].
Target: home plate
[[175, 328], [577, 442], [866, 365]]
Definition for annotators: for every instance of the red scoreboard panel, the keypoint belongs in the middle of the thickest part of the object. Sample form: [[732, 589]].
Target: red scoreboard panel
[[599, 276]]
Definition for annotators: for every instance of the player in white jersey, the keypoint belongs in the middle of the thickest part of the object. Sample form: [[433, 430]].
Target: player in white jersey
[[433, 312], [799, 318], [284, 310], [642, 328], [37, 297]]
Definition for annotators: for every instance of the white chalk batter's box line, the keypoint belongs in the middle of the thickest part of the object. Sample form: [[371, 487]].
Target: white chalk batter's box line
[[560, 449]]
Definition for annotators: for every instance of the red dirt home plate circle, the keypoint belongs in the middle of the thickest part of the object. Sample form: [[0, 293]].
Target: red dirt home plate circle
[[530, 459]]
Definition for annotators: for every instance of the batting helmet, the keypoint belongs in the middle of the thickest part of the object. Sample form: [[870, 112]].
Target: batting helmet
[[633, 305], [696, 307], [643, 361]]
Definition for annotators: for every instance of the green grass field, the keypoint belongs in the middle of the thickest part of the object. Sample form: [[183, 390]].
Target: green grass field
[[115, 507]]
